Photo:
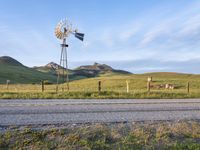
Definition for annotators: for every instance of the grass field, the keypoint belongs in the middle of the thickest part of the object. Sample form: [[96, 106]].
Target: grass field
[[183, 135], [113, 86]]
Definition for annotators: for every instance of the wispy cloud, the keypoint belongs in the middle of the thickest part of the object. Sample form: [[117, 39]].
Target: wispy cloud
[[129, 31], [113, 37], [174, 36]]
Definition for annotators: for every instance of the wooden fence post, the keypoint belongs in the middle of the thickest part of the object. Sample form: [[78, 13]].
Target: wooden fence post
[[188, 87], [56, 88], [7, 84], [42, 86], [99, 86], [148, 86], [127, 86]]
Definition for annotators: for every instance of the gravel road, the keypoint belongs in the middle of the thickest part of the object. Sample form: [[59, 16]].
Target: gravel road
[[44, 112]]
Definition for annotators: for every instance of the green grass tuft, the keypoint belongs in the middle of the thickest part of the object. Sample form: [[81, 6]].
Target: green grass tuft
[[159, 135]]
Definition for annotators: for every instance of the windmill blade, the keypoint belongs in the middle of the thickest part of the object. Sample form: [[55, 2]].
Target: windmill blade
[[80, 36], [60, 32]]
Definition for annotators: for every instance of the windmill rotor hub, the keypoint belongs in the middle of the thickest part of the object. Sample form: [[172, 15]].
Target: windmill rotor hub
[[64, 29]]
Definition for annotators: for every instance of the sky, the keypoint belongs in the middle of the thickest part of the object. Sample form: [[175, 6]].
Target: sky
[[134, 35]]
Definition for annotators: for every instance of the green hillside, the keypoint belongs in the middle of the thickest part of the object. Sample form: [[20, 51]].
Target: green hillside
[[12, 70]]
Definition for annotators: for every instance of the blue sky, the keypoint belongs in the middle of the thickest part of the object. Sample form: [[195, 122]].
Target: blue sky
[[135, 35]]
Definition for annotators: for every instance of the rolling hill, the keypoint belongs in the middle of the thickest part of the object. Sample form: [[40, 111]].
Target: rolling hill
[[16, 72], [11, 69]]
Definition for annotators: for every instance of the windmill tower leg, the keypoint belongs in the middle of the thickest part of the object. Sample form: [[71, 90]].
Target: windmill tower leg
[[64, 66]]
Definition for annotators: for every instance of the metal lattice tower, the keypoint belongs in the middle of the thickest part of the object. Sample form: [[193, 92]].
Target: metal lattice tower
[[62, 31], [64, 65]]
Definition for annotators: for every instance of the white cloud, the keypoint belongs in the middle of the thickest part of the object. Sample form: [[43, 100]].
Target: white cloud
[[191, 26], [113, 37], [151, 36], [157, 39], [183, 23], [129, 31]]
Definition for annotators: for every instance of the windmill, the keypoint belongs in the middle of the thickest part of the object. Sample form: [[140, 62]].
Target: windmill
[[62, 31]]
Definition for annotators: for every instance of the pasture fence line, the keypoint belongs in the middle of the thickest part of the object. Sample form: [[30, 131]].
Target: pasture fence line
[[115, 85]]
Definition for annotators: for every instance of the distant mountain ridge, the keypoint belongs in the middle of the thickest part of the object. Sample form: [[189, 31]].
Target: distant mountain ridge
[[96, 66], [98, 69], [53, 65], [83, 71]]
